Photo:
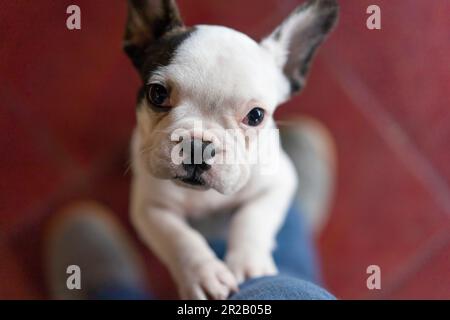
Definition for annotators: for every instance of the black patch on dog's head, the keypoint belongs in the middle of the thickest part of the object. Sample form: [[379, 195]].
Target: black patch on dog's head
[[159, 54], [154, 30], [148, 22]]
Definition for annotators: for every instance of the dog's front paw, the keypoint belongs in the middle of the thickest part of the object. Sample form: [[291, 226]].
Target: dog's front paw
[[247, 264], [209, 280]]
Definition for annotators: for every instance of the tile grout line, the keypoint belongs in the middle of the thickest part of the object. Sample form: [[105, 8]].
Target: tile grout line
[[388, 129], [425, 253], [392, 133]]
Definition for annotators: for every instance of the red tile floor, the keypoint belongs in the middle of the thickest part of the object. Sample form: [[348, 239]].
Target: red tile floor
[[66, 100]]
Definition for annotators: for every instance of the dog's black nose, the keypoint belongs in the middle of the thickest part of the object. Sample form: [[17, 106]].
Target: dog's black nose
[[201, 151]]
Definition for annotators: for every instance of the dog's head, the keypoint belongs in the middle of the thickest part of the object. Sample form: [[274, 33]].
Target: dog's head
[[199, 81]]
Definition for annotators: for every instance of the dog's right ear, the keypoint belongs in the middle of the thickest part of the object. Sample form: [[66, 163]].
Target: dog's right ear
[[148, 21]]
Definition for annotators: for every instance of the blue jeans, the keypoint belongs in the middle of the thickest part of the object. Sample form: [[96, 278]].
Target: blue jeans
[[295, 257]]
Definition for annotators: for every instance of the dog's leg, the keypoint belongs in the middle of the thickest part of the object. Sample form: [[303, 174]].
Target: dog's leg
[[254, 227], [198, 273]]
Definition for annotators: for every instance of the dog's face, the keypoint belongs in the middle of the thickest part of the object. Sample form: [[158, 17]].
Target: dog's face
[[209, 92]]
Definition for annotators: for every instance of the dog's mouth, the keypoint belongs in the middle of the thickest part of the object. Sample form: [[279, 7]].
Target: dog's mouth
[[193, 180]]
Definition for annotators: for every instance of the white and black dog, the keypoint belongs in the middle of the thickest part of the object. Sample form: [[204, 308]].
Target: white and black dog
[[224, 80]]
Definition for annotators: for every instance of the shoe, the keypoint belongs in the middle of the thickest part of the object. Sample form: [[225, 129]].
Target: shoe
[[87, 235], [311, 148]]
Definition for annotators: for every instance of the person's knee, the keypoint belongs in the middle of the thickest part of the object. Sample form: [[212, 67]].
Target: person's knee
[[280, 288]]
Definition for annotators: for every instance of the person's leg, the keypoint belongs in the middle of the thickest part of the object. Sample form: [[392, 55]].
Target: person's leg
[[280, 287], [295, 254], [87, 235]]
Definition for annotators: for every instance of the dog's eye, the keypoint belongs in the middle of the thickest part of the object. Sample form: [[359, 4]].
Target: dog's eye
[[158, 95], [254, 117]]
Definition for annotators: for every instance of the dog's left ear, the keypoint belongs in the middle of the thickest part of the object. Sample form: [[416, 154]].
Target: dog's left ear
[[294, 43], [148, 21]]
